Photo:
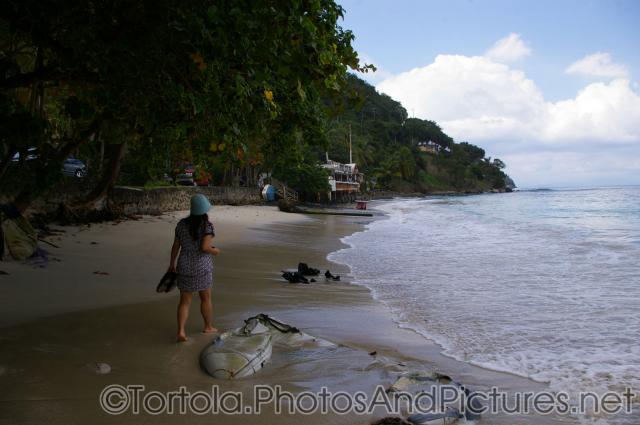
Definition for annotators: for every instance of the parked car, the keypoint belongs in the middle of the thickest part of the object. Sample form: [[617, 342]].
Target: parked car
[[74, 167], [184, 175], [31, 155], [189, 175]]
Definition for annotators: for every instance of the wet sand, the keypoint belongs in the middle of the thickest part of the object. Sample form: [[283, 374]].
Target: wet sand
[[58, 322]]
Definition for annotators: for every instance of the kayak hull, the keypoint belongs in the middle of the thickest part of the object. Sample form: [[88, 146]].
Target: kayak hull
[[233, 356]]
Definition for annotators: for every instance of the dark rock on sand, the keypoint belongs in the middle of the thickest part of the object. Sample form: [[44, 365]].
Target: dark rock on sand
[[391, 421]]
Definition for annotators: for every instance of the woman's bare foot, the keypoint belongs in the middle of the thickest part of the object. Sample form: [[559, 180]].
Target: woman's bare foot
[[181, 338], [209, 330]]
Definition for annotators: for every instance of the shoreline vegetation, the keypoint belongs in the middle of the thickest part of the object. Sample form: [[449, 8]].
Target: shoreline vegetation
[[232, 111]]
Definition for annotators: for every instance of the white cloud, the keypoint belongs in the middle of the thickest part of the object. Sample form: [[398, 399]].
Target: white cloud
[[476, 99], [472, 97], [508, 49], [608, 112], [373, 77], [598, 65]]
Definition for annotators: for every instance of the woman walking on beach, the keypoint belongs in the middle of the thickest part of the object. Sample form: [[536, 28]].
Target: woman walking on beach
[[193, 241]]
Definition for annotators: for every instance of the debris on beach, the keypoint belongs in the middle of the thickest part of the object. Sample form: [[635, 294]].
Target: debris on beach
[[449, 416], [300, 276], [330, 276], [3, 272], [47, 242], [385, 363], [305, 270], [93, 243], [46, 232], [102, 368], [295, 277], [421, 382], [39, 259], [391, 421], [101, 273]]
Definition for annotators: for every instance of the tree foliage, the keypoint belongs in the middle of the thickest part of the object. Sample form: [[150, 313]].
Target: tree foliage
[[231, 82], [385, 145]]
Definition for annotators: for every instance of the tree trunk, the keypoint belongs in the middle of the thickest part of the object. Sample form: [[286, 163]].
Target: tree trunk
[[97, 198], [6, 160], [101, 164]]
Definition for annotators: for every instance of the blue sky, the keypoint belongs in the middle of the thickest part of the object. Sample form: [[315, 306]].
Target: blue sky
[[548, 86]]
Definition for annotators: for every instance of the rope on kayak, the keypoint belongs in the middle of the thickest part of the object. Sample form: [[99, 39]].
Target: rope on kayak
[[251, 323]]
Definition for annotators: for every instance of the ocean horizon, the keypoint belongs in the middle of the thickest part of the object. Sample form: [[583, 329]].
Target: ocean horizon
[[543, 283]]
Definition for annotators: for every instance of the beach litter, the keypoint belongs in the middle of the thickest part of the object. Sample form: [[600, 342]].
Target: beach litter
[[300, 276], [101, 273], [296, 277], [305, 270], [330, 276], [102, 368], [391, 421], [3, 272], [244, 351], [436, 385], [39, 259]]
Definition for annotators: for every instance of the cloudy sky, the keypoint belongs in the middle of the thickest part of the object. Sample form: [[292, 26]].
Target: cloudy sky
[[550, 87]]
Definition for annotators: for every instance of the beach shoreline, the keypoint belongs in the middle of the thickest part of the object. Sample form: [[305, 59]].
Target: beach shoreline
[[49, 352]]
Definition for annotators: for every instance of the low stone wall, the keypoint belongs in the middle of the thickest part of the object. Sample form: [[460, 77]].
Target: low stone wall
[[156, 201]]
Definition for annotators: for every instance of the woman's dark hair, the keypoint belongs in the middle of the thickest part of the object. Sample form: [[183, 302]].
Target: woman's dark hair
[[197, 223]]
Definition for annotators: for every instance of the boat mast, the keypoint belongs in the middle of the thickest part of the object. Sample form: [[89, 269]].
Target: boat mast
[[350, 153]]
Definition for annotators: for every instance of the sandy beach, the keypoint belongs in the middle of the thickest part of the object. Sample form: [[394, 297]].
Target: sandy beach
[[59, 322]]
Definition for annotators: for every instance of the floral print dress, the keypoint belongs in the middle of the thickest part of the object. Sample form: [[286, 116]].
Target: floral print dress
[[195, 268]]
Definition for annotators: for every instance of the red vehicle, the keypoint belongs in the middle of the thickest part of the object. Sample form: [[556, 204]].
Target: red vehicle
[[189, 175]]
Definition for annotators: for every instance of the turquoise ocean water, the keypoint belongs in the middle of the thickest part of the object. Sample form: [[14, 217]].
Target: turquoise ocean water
[[542, 283]]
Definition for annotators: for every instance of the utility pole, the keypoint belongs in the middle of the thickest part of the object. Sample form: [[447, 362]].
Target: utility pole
[[350, 153]]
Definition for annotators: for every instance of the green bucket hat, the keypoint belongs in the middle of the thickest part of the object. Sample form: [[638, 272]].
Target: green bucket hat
[[199, 204]]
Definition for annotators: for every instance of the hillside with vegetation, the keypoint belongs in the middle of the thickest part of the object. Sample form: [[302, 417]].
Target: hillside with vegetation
[[386, 147], [137, 89]]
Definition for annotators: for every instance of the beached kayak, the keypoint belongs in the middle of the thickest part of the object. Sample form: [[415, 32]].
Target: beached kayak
[[236, 355], [244, 351]]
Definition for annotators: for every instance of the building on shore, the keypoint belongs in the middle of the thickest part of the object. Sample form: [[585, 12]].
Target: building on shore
[[429, 147], [344, 179]]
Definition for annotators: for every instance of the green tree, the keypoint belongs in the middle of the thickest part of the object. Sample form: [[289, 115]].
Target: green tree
[[385, 146], [166, 76]]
